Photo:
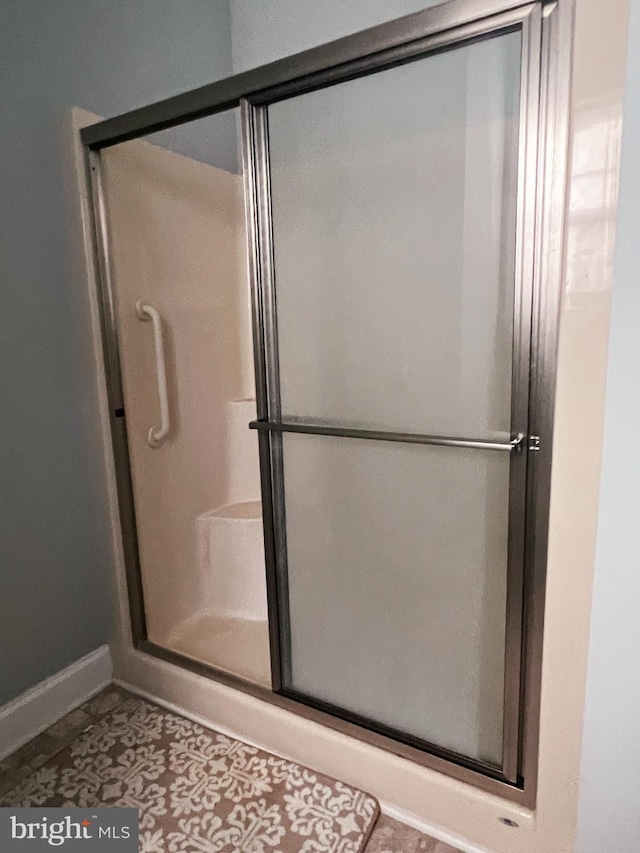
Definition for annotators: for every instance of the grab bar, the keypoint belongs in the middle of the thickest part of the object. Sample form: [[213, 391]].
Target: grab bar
[[157, 435]]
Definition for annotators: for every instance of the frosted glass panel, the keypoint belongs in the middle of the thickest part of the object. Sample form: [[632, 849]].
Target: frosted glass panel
[[397, 560], [394, 233]]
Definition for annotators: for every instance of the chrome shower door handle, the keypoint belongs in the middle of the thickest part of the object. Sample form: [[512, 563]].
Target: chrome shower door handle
[[157, 434]]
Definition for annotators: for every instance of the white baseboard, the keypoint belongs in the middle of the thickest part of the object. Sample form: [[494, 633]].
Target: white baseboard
[[32, 712], [426, 828]]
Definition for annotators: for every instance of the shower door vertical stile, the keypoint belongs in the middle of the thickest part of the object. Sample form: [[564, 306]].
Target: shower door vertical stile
[[259, 244], [520, 420], [115, 397], [273, 426]]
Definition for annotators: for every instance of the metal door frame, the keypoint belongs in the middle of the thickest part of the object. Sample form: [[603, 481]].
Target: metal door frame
[[544, 116]]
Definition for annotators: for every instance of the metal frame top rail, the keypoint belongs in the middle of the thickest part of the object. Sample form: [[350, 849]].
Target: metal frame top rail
[[381, 435], [227, 93]]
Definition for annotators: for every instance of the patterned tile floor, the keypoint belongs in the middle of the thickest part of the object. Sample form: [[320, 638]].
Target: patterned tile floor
[[388, 835]]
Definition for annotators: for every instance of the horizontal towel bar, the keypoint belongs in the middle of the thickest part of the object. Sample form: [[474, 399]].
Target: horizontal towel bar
[[377, 435]]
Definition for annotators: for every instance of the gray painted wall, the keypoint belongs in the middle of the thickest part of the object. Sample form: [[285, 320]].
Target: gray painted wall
[[213, 139], [264, 30], [107, 57], [609, 813]]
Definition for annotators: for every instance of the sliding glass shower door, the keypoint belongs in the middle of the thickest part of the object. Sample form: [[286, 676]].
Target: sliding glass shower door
[[367, 281], [397, 332]]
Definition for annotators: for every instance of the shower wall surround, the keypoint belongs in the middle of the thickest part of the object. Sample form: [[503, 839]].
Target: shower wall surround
[[178, 244], [341, 448]]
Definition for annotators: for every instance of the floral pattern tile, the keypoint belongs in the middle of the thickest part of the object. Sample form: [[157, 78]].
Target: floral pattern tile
[[198, 790], [131, 723]]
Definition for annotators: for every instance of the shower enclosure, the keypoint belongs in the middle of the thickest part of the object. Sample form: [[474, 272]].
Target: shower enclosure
[[329, 345]]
